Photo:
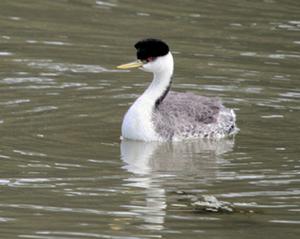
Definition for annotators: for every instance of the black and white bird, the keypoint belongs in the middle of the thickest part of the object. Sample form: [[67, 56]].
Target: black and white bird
[[163, 115]]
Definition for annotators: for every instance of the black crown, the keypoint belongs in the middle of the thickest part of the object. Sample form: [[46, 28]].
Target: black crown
[[151, 48]]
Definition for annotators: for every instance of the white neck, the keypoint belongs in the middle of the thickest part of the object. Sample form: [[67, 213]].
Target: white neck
[[137, 123], [162, 70]]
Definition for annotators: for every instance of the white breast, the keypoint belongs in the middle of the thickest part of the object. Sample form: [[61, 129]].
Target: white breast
[[137, 123]]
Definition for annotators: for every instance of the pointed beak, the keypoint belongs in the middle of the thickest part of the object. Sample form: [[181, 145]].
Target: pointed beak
[[133, 64]]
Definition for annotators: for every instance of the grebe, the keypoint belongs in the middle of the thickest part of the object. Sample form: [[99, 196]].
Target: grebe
[[163, 115]]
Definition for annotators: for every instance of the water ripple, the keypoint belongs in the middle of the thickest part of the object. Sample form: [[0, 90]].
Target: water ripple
[[73, 234], [6, 219], [261, 193], [15, 102], [29, 153], [65, 67], [285, 221], [19, 80], [43, 109], [57, 43], [5, 53], [69, 210], [105, 4]]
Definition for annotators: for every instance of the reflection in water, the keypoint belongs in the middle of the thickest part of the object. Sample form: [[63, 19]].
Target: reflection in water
[[151, 162], [144, 158]]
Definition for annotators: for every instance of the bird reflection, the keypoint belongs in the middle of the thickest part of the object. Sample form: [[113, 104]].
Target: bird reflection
[[146, 157], [152, 163]]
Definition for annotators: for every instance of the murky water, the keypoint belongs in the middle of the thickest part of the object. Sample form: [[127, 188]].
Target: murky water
[[64, 171]]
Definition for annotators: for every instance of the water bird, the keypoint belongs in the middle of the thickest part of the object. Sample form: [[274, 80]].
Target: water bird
[[163, 115]]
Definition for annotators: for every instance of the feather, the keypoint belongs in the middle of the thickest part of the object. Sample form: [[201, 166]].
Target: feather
[[186, 115]]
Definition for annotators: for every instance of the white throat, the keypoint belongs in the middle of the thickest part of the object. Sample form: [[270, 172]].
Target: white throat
[[137, 123]]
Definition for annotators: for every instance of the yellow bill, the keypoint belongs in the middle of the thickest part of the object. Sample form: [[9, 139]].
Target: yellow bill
[[134, 64]]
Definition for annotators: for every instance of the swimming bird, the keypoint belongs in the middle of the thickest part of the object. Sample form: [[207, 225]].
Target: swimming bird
[[163, 115]]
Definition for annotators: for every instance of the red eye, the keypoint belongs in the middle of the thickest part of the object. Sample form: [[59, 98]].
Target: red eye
[[149, 59]]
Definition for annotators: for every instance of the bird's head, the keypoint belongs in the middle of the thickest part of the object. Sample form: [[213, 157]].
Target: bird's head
[[153, 56]]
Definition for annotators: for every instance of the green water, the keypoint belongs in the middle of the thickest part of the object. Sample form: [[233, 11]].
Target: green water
[[64, 171]]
